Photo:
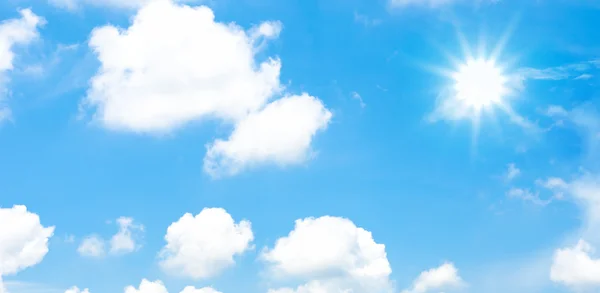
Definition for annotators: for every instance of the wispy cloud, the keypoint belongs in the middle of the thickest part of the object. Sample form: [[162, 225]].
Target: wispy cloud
[[576, 71], [366, 20]]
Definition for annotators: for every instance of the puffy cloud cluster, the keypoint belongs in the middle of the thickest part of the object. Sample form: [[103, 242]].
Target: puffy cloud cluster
[[23, 240], [204, 245], [176, 65], [330, 254]]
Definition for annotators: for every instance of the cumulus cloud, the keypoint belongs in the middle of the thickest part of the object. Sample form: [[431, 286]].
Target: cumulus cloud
[[14, 32], [332, 255], [74, 289], [576, 267], [158, 287], [281, 133], [190, 68], [148, 287], [176, 65], [204, 245], [440, 279], [23, 241], [123, 241]]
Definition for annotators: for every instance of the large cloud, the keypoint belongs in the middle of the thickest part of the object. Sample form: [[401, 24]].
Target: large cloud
[[202, 246], [281, 134], [14, 32], [576, 267], [23, 240], [332, 255], [176, 65]]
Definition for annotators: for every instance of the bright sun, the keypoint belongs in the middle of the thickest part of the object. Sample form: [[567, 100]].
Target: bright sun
[[479, 84]]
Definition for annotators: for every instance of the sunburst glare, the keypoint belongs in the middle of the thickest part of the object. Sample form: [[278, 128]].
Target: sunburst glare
[[477, 87]]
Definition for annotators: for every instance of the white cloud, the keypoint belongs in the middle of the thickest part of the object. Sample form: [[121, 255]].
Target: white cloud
[[512, 172], [74, 289], [281, 133], [123, 241], [202, 246], [23, 239], [358, 97], [14, 32], [575, 266], [190, 289], [92, 246], [176, 65], [527, 195], [440, 279], [332, 255], [148, 287], [584, 76], [158, 287]]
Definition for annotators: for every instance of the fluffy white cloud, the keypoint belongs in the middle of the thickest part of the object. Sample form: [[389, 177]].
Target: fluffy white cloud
[[148, 287], [123, 241], [202, 246], [281, 133], [92, 246], [332, 255], [14, 32], [440, 279], [23, 239], [158, 287], [575, 266], [176, 65], [74, 289]]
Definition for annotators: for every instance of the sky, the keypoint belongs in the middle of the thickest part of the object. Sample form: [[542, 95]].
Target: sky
[[314, 146]]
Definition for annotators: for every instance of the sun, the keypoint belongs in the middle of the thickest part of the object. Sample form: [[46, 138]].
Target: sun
[[479, 84]]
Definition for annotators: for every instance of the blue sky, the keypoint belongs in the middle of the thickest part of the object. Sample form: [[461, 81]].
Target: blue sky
[[299, 146]]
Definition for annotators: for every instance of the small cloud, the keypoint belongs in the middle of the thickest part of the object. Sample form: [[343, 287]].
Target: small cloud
[[124, 241], [69, 238], [358, 97], [527, 195], [442, 278], [366, 21], [512, 172], [92, 246], [584, 76]]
